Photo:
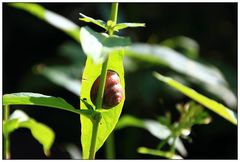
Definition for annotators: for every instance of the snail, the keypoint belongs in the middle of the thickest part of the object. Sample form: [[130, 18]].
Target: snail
[[113, 91]]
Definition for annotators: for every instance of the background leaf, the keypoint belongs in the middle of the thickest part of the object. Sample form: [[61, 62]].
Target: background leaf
[[109, 117], [61, 78], [128, 120], [184, 45], [211, 104], [52, 18], [155, 128], [208, 76], [41, 132]]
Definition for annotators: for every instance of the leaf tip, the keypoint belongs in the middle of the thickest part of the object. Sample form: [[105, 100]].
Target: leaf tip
[[142, 25], [161, 77], [142, 150], [47, 153]]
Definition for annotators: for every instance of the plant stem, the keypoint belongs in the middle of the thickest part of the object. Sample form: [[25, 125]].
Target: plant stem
[[102, 85], [6, 138], [95, 121], [172, 149], [163, 142], [100, 94], [114, 12], [109, 148]]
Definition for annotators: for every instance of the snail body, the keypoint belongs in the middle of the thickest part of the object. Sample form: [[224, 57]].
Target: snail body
[[113, 91]]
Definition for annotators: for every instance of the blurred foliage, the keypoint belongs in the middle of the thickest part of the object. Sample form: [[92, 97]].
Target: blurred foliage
[[190, 114], [206, 33], [184, 45], [205, 101], [41, 132]]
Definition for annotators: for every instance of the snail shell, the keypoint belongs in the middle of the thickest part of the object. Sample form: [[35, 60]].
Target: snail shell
[[113, 91]]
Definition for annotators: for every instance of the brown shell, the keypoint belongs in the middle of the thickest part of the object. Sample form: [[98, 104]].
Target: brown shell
[[113, 92]]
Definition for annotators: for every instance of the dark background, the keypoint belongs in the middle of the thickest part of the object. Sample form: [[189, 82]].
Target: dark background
[[28, 41]]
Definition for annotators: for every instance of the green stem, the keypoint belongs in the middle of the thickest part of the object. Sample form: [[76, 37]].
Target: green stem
[[113, 18], [110, 149], [172, 149], [114, 12], [100, 94], [102, 85], [95, 121], [6, 137], [163, 142]]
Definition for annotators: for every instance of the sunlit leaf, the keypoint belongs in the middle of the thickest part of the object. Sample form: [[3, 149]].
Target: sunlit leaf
[[92, 20], [10, 126], [205, 101], [168, 155], [50, 17], [127, 25], [27, 98], [98, 45], [109, 116], [209, 77], [41, 132]]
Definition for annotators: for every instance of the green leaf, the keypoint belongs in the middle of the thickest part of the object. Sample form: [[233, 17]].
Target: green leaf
[[128, 120], [98, 45], [87, 104], [41, 132], [59, 77], [209, 103], [120, 26], [168, 155], [52, 18], [27, 98], [92, 20], [10, 126], [109, 116], [155, 128], [73, 52], [185, 45], [208, 77]]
